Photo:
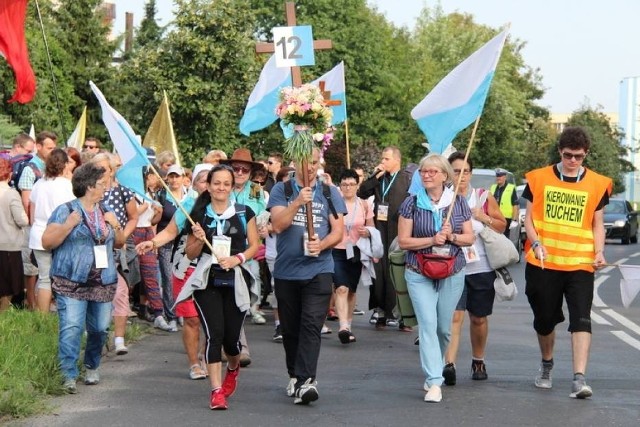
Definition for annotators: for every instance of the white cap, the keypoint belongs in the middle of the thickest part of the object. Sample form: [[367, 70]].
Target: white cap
[[175, 169], [199, 168]]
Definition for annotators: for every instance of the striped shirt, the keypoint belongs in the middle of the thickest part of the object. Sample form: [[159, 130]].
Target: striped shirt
[[423, 226]]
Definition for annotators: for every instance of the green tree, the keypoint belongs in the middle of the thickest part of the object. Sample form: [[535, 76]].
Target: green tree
[[203, 64], [607, 155], [149, 33], [7, 131], [442, 42]]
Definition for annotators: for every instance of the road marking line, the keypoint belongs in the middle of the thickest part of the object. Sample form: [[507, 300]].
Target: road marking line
[[599, 280], [599, 319], [627, 338], [607, 269], [622, 320], [621, 261], [634, 255]]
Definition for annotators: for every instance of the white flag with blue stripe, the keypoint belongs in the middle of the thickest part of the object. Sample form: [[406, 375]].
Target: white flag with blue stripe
[[126, 143], [334, 83], [458, 99], [261, 107]]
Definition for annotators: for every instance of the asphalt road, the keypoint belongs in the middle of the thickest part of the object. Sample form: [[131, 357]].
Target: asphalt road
[[377, 381]]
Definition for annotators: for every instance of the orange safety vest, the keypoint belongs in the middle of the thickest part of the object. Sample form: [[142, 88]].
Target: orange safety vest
[[562, 214]]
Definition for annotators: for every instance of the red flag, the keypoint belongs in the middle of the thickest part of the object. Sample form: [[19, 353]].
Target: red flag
[[13, 46]]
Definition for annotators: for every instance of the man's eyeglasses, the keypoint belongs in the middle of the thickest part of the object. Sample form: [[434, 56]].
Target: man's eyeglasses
[[465, 172], [429, 172], [570, 156], [243, 169]]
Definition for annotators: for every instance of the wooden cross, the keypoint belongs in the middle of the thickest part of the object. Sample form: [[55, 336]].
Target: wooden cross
[[296, 79], [290, 9], [326, 94]]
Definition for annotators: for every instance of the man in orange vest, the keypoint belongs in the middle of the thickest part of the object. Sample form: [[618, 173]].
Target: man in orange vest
[[565, 245]]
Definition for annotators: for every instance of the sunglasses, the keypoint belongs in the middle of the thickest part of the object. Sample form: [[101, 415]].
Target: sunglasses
[[569, 156], [243, 169]]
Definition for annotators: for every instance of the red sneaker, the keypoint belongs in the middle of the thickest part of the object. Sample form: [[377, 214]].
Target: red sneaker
[[230, 382], [218, 401]]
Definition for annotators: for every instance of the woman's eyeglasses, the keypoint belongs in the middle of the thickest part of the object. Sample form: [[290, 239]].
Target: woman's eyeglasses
[[429, 172], [570, 156]]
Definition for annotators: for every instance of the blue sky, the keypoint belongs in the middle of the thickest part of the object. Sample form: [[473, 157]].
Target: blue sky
[[582, 47]]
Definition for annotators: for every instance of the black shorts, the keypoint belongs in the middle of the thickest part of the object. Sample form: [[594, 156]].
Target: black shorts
[[346, 272], [480, 293], [545, 290]]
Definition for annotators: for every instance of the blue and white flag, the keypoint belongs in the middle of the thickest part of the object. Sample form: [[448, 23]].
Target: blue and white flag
[[126, 144], [458, 100], [261, 107], [334, 83]]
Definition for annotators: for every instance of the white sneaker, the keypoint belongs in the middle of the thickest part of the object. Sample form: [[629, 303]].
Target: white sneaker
[[291, 387], [434, 395], [92, 377], [173, 325], [258, 318], [161, 324], [307, 393], [121, 349]]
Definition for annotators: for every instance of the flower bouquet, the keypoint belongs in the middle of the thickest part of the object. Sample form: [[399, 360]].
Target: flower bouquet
[[304, 108]]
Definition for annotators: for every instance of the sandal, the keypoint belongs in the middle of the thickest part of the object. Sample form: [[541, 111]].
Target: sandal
[[196, 372], [346, 336]]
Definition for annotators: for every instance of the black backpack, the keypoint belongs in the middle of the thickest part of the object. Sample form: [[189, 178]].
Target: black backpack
[[18, 163]]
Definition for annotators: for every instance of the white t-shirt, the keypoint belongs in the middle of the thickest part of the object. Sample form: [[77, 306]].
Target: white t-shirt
[[46, 195], [144, 219]]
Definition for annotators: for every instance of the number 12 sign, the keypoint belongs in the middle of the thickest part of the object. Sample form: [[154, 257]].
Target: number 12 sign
[[293, 46]]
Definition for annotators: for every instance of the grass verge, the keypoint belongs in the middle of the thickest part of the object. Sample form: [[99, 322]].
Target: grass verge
[[29, 372]]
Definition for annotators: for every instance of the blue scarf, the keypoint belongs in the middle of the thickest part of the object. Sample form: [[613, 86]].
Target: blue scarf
[[424, 202]]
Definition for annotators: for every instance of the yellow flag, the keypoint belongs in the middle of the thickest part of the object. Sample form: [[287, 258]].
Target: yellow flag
[[160, 135], [76, 140]]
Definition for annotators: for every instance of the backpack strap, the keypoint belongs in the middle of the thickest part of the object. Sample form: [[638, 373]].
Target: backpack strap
[[326, 192], [241, 210]]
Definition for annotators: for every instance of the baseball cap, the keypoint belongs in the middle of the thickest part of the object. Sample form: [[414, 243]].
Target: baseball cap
[[175, 169]]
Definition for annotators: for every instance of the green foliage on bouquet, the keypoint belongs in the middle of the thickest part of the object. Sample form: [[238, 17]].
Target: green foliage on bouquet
[[304, 108]]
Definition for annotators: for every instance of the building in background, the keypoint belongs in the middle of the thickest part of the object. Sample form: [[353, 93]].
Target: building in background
[[629, 111]]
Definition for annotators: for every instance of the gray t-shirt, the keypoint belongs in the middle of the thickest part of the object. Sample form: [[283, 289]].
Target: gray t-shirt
[[291, 263]]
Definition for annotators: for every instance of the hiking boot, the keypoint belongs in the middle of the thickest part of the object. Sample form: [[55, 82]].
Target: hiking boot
[[579, 388], [478, 370], [91, 377], [277, 334], [230, 382], [69, 386], [218, 401], [543, 380], [306, 393], [449, 374]]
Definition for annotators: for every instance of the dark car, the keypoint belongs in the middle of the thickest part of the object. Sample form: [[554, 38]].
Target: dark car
[[621, 221]]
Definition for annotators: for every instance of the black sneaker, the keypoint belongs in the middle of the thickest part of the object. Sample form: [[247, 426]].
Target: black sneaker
[[478, 370], [306, 393], [277, 335], [449, 374]]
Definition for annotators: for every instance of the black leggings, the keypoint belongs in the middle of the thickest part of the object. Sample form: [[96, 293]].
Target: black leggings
[[221, 320]]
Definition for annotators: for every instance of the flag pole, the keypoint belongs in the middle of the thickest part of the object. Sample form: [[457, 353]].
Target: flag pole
[[346, 136], [53, 77], [466, 156], [184, 211]]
